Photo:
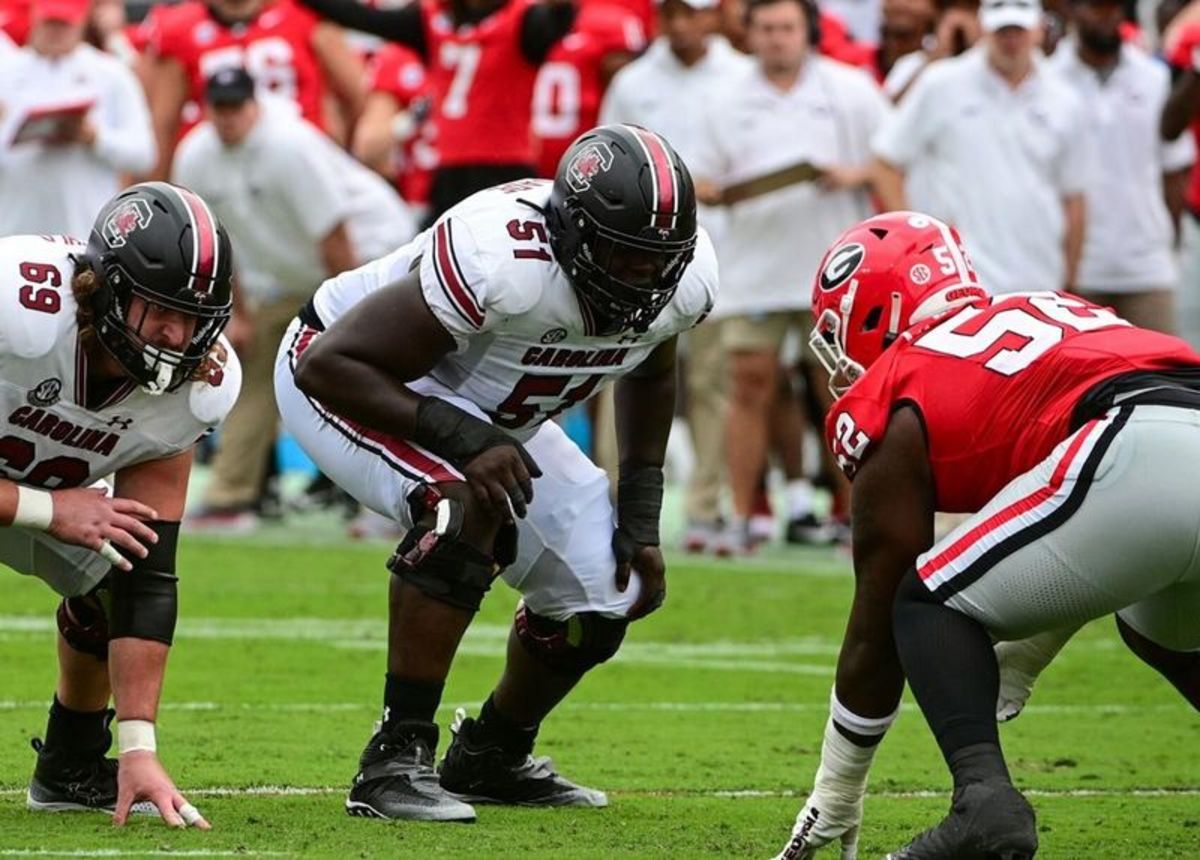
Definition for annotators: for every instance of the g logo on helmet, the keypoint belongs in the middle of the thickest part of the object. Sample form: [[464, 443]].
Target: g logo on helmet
[[596, 157], [132, 214], [843, 263]]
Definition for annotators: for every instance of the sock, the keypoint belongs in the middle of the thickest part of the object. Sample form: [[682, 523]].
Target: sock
[[410, 701], [799, 498], [77, 731], [493, 726], [950, 666]]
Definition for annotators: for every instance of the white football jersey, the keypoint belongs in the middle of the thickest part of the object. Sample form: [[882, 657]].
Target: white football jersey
[[48, 438], [524, 349]]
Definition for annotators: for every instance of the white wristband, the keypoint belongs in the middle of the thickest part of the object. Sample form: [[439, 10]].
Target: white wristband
[[133, 735], [35, 509]]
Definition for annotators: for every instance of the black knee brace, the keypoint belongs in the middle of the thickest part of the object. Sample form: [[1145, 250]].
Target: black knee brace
[[83, 623], [573, 646], [144, 601], [444, 568]]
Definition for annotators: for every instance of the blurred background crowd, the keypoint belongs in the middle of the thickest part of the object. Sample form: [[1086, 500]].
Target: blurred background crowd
[[324, 133]]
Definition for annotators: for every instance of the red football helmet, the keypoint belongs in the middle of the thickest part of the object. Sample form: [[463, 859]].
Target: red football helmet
[[881, 277]]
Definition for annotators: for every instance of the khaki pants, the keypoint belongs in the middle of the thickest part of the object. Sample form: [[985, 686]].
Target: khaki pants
[[1150, 309], [706, 385], [248, 434]]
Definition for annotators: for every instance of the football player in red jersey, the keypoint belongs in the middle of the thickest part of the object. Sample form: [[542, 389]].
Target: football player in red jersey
[[391, 135], [1066, 429], [287, 50], [571, 83], [482, 58]]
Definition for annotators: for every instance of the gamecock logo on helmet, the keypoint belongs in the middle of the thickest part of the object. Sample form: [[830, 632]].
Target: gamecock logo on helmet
[[594, 158], [132, 214]]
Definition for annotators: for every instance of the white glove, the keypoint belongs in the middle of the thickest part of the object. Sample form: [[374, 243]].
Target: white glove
[[825, 819], [1020, 664], [834, 809]]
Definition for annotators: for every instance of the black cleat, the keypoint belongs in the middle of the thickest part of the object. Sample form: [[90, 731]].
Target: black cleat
[[987, 821], [68, 781], [810, 531], [396, 778], [480, 773]]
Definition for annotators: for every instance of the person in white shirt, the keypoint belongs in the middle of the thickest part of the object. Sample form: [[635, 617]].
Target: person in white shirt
[[1127, 262], [998, 139], [56, 172], [791, 108], [666, 90], [300, 210]]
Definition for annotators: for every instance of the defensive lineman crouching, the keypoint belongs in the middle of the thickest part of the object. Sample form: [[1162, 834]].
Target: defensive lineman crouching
[[422, 384]]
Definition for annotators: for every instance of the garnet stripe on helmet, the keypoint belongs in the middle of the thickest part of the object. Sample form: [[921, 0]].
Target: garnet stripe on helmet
[[204, 241], [665, 210], [454, 285]]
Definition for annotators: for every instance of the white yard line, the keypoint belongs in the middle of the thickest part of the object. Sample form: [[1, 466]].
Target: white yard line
[[679, 707], [733, 794], [131, 852]]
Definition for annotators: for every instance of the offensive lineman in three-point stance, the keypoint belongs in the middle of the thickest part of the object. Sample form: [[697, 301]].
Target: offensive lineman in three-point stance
[[111, 363]]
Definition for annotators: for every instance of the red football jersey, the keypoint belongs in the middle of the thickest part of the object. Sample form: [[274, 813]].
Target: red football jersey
[[482, 86], [1179, 55], [399, 72], [275, 48], [14, 19], [996, 384], [570, 85]]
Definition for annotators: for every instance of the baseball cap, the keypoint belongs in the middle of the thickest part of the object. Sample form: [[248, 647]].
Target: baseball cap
[[229, 87], [997, 14], [70, 11]]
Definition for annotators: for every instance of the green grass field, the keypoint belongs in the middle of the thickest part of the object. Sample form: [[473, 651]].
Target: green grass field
[[705, 730]]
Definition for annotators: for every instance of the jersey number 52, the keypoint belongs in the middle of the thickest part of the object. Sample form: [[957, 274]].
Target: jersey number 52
[[1015, 337]]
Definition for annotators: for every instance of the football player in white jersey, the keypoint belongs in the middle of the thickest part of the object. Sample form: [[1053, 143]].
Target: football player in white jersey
[[423, 382], [111, 364]]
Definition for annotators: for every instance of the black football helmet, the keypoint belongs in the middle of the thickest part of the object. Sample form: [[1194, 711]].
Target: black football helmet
[[162, 243], [622, 219]]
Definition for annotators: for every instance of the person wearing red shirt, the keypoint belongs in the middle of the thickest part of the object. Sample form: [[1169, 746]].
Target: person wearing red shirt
[[482, 58], [572, 81], [285, 48], [1182, 114], [15, 19], [1068, 433], [392, 135]]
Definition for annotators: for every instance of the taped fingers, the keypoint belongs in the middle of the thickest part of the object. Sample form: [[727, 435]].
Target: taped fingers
[[191, 815], [109, 553]]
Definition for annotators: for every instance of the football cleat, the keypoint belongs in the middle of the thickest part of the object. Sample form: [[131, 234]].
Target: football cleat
[[65, 781], [988, 821], [480, 772], [807, 530], [700, 535], [396, 778]]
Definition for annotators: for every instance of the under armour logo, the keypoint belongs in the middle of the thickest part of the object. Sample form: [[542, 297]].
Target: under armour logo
[[120, 423]]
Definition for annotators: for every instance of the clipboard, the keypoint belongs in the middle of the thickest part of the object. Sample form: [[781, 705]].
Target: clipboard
[[47, 122], [747, 189]]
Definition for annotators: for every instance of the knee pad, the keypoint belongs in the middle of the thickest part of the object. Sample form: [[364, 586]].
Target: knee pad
[[573, 646], [444, 568], [83, 623]]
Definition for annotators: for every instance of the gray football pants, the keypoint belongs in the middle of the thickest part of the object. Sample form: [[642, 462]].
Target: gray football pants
[[1109, 522]]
